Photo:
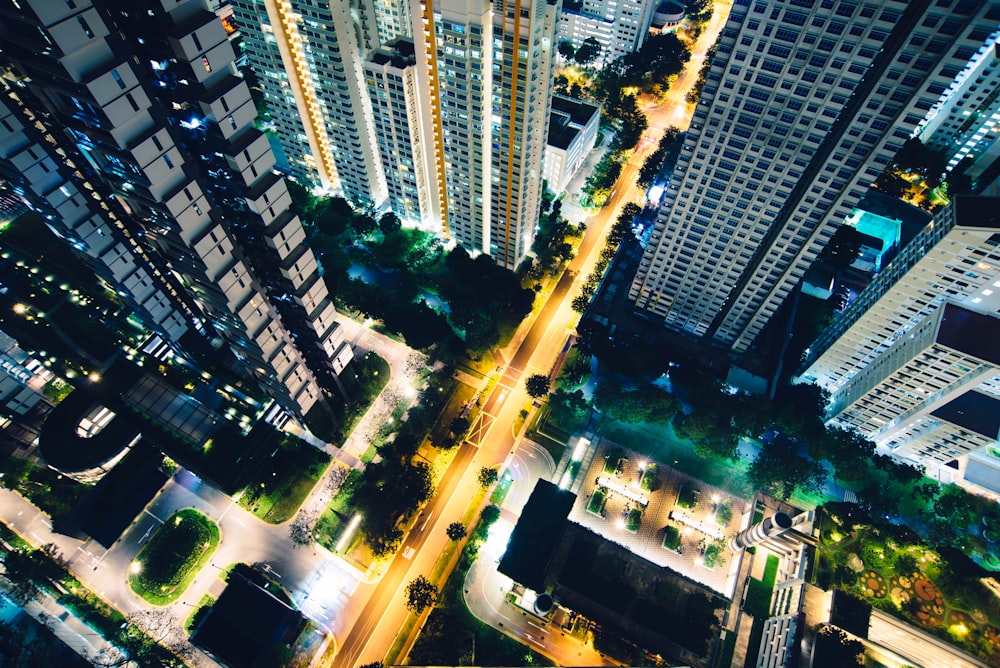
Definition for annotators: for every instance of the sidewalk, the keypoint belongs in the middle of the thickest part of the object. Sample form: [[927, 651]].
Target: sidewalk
[[70, 630]]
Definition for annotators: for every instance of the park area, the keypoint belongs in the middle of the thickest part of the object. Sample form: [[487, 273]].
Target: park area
[[284, 480], [942, 592], [168, 563], [660, 513]]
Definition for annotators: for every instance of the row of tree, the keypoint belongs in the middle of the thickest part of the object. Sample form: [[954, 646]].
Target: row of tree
[[621, 228], [797, 450]]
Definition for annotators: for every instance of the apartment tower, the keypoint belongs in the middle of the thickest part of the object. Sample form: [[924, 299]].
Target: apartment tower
[[805, 104], [912, 363], [126, 126], [308, 55], [476, 116]]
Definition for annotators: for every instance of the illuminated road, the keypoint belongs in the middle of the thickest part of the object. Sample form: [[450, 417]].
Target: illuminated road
[[492, 440]]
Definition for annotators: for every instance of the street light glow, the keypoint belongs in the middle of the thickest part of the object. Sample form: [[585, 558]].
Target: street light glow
[[348, 532]]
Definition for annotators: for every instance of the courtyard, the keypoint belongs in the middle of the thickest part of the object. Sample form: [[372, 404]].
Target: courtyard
[[661, 514]]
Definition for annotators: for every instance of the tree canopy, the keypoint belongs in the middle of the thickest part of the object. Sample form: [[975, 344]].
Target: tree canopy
[[421, 594], [537, 385]]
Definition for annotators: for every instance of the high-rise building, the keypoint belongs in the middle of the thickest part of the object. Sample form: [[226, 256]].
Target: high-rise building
[[475, 118], [911, 363], [487, 68], [619, 26], [125, 124], [964, 121], [404, 132], [804, 105], [308, 56]]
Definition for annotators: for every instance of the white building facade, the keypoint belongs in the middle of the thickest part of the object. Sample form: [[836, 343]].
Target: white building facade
[[805, 104], [916, 347]]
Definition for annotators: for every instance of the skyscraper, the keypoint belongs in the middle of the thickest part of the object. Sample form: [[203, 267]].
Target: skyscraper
[[308, 58], [805, 103], [962, 123], [912, 363], [477, 117], [619, 26], [125, 125], [490, 65]]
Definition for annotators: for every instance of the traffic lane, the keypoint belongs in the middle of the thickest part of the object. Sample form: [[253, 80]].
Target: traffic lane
[[356, 642]]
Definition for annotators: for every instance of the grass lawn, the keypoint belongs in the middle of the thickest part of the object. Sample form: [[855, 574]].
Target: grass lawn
[[758, 601], [338, 513], [753, 643], [459, 395], [596, 505], [672, 538], [284, 480], [724, 657], [168, 563]]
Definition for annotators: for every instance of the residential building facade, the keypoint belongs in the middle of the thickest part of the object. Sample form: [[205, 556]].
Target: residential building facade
[[804, 105], [619, 27], [476, 117], [963, 121], [126, 125], [910, 363], [308, 57]]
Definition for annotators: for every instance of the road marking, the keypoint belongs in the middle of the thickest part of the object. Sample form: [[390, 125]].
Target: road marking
[[531, 638], [422, 526], [152, 515]]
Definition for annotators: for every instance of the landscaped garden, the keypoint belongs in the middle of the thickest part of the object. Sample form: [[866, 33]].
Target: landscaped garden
[[724, 512], [672, 538], [634, 520], [168, 563], [283, 483], [596, 503], [613, 462], [939, 590], [687, 496], [713, 554], [650, 477]]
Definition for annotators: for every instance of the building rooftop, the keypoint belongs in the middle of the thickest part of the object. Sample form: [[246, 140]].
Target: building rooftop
[[579, 111], [245, 622], [970, 332], [974, 411], [536, 535]]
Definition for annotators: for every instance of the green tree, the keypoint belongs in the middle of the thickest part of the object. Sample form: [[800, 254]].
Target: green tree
[[779, 469], [459, 426], [421, 593], [490, 514], [711, 437], [588, 51], [456, 531], [488, 476], [537, 385], [566, 49], [569, 410], [654, 161]]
